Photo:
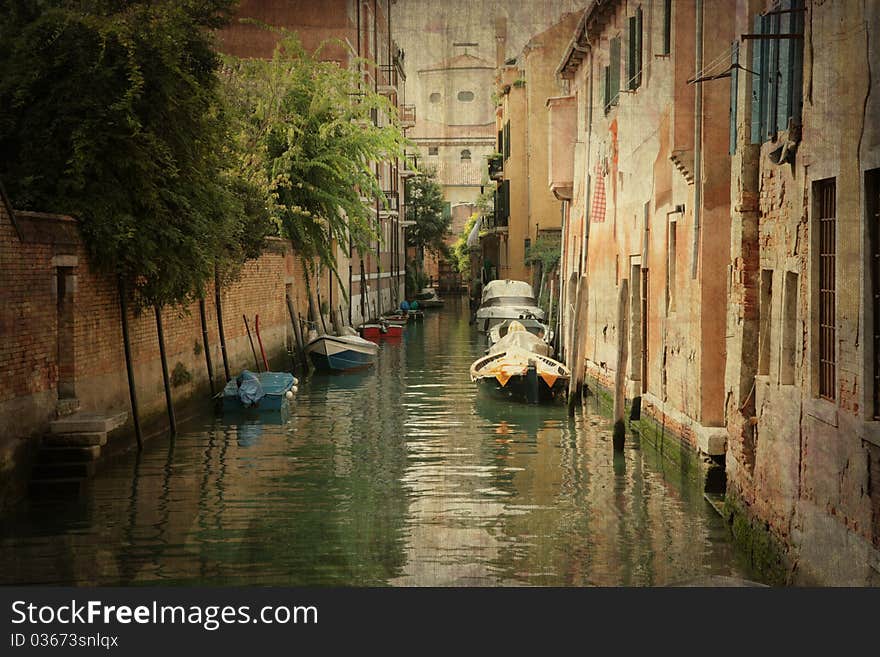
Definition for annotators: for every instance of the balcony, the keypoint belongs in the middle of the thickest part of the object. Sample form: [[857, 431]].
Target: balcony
[[389, 79], [410, 165], [407, 115], [393, 201], [496, 166]]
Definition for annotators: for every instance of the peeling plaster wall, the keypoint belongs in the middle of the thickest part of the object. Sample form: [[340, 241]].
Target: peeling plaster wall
[[800, 463]]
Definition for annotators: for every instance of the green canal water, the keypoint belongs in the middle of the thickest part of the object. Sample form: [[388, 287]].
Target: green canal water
[[401, 475]]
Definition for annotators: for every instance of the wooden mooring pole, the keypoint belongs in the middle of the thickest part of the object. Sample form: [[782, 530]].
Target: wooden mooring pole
[[126, 345], [205, 344], [169, 404], [219, 308], [620, 372], [578, 331], [297, 333]]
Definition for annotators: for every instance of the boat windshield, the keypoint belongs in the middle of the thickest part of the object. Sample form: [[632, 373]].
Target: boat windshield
[[509, 301]]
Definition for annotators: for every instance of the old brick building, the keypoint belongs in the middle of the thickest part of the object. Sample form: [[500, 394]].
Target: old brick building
[[803, 375], [724, 157], [61, 335], [648, 177]]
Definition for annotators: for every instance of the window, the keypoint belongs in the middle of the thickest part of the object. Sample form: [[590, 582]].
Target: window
[[824, 199], [667, 27], [433, 150], [734, 82], [502, 203], [465, 155], [765, 309], [465, 96], [527, 244], [506, 140], [670, 266], [872, 218], [634, 62], [612, 75], [434, 97], [777, 93], [789, 329]]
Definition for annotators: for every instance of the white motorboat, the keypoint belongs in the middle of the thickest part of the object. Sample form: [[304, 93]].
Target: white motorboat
[[506, 300], [513, 333], [521, 375], [341, 353]]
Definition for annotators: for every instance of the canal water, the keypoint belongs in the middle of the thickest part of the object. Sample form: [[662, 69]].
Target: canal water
[[401, 475]]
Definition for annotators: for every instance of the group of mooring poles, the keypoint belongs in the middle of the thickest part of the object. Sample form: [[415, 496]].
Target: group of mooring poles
[[129, 365], [577, 347]]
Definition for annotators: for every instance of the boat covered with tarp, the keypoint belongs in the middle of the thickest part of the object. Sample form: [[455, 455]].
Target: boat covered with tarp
[[529, 334], [266, 391]]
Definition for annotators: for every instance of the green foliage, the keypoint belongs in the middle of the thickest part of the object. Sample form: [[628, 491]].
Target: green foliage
[[416, 279], [304, 137], [111, 111], [544, 251], [425, 208], [461, 252]]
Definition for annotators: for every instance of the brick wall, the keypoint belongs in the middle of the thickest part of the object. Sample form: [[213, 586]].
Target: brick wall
[[90, 349]]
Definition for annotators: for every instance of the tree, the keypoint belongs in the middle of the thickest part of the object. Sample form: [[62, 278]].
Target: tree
[[305, 136], [111, 111], [425, 208]]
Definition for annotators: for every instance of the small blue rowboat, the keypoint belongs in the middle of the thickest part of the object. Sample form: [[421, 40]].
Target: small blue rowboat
[[266, 391]]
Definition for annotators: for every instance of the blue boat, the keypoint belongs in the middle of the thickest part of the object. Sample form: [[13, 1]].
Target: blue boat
[[266, 391], [341, 353]]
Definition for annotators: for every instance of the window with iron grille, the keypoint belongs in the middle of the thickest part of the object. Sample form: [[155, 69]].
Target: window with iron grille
[[872, 211], [825, 202]]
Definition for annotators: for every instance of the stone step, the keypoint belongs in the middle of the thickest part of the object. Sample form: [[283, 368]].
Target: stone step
[[83, 422], [68, 454], [75, 439], [63, 470], [56, 488], [67, 406]]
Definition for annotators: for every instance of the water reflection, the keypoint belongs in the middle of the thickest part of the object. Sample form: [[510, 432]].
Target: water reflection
[[400, 475]]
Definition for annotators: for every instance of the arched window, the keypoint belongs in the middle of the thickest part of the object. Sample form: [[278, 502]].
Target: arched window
[[465, 96], [465, 155], [434, 97]]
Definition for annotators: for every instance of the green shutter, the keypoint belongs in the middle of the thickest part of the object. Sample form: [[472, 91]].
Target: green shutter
[[606, 96], [615, 70], [797, 62], [667, 27], [640, 32], [772, 79], [734, 81], [757, 84], [783, 105], [631, 59]]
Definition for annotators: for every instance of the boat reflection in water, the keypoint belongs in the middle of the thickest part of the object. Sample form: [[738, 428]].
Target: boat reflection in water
[[398, 475]]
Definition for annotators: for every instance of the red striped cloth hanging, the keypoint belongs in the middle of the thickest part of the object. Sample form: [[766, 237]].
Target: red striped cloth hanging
[[597, 209]]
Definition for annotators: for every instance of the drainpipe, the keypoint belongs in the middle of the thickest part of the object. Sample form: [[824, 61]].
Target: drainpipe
[[698, 140]]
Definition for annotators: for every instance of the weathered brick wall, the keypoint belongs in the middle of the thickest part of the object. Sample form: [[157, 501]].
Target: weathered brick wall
[[30, 345], [28, 362], [802, 465], [641, 151]]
